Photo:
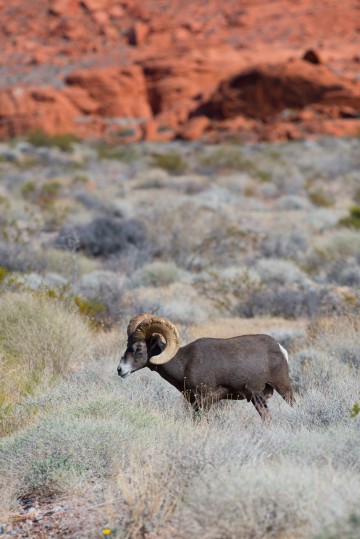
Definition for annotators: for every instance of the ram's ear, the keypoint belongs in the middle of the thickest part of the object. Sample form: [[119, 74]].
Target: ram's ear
[[156, 344]]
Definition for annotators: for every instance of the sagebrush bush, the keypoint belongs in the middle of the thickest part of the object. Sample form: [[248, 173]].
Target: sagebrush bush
[[273, 271], [338, 336], [267, 501], [286, 302], [287, 244], [345, 274], [105, 289], [39, 331], [104, 236], [41, 338], [337, 244], [18, 257], [156, 274]]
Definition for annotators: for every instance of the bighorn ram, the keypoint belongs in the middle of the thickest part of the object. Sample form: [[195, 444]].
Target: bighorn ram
[[207, 370]]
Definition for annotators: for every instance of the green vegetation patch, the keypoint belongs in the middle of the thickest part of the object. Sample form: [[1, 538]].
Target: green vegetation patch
[[353, 220], [171, 161], [321, 198], [118, 153], [4, 272], [46, 475], [63, 141], [44, 195]]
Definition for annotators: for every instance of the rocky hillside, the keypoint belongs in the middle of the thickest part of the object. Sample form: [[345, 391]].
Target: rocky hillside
[[129, 70]]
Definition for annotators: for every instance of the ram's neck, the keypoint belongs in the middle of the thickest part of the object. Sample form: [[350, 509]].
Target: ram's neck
[[173, 371]]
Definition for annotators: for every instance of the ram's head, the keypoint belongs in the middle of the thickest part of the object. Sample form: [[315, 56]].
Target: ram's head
[[151, 339]]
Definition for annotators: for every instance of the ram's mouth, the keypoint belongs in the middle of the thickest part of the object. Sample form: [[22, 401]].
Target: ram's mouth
[[125, 375]]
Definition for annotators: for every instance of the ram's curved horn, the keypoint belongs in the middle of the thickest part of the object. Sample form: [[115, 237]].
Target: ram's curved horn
[[154, 324], [134, 322]]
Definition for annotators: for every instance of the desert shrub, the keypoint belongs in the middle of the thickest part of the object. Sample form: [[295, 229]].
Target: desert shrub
[[179, 302], [225, 158], [279, 272], [48, 193], [290, 244], [323, 389], [39, 332], [178, 233], [80, 179], [58, 461], [357, 195], [320, 197], [48, 475], [347, 274], [228, 287], [3, 273], [71, 265], [63, 141], [19, 257], [353, 220], [28, 189], [325, 361], [339, 244], [156, 274], [172, 162], [90, 308], [102, 296], [292, 202], [339, 336], [126, 153], [346, 528], [355, 410], [282, 500], [44, 195], [104, 236], [289, 302], [40, 338]]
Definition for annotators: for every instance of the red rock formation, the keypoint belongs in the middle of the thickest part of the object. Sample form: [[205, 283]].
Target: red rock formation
[[178, 68], [35, 108], [264, 91], [118, 92]]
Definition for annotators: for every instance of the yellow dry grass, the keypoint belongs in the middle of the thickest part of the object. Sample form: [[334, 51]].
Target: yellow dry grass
[[231, 327]]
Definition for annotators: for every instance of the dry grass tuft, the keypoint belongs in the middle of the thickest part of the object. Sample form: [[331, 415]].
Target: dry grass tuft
[[41, 338]]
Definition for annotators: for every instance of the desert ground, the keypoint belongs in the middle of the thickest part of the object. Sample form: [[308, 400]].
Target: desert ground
[[222, 240]]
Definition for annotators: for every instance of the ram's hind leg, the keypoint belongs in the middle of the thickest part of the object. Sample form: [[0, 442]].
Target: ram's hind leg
[[259, 401]]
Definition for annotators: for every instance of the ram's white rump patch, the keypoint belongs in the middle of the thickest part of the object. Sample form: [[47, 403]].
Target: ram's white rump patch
[[285, 354]]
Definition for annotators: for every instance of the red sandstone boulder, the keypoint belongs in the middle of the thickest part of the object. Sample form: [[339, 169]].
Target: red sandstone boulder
[[81, 99], [266, 90], [117, 91], [194, 128], [22, 110]]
